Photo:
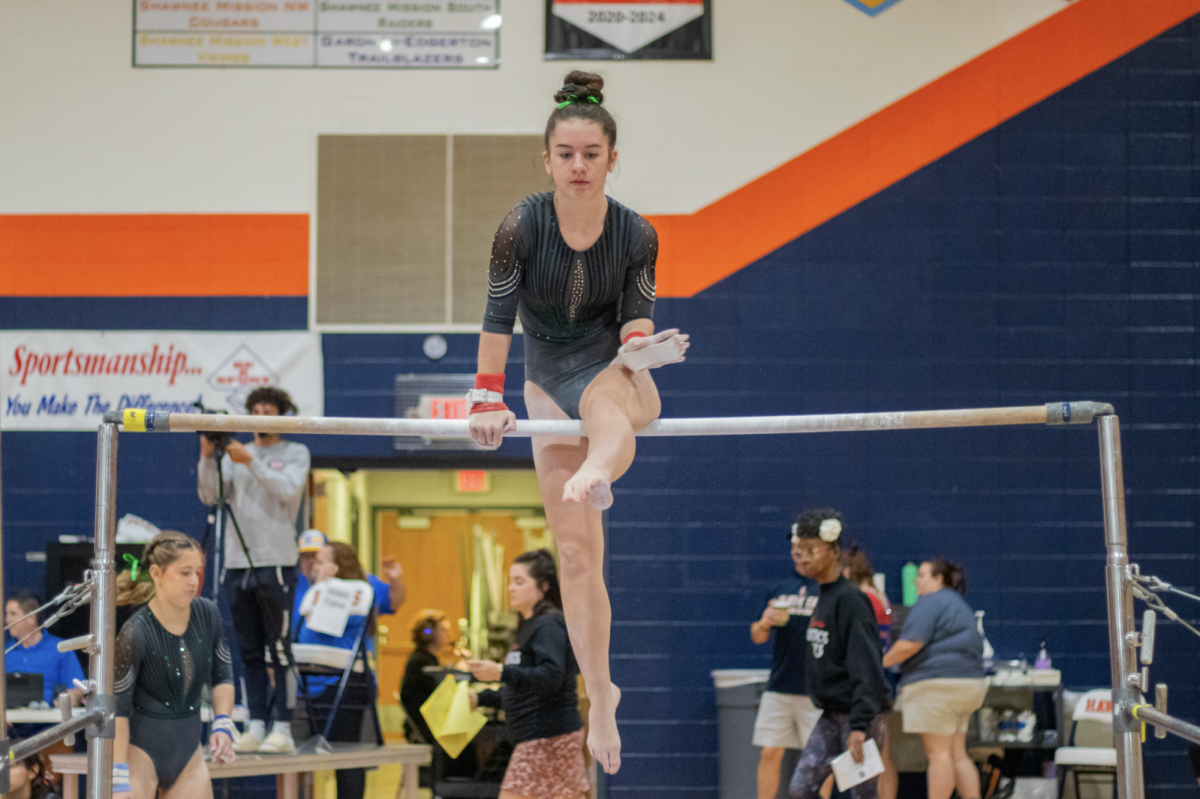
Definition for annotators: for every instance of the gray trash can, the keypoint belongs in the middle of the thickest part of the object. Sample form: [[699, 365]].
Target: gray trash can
[[738, 692]]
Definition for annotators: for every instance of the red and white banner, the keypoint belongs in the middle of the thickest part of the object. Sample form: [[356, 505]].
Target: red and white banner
[[627, 27], [68, 379]]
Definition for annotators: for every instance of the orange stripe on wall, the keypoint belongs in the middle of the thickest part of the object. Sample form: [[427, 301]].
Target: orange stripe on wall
[[154, 255], [699, 249]]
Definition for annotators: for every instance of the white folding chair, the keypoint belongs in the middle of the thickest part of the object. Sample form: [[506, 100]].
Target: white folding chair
[[1091, 749], [318, 659]]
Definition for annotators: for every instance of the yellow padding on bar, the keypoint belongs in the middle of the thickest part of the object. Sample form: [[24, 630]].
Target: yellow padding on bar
[[1133, 712], [134, 420]]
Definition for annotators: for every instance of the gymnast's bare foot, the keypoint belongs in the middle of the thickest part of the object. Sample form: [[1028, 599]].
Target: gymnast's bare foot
[[604, 742], [651, 352], [591, 484]]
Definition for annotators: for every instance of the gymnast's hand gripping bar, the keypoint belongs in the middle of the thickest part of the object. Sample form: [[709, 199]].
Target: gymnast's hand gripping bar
[[1053, 413]]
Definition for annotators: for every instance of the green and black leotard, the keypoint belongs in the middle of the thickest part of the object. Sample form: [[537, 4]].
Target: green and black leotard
[[572, 304]]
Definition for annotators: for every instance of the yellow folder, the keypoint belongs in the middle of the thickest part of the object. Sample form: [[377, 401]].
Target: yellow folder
[[450, 718]]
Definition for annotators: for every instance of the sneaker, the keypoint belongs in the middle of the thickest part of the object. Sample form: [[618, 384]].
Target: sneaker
[[246, 743], [277, 744]]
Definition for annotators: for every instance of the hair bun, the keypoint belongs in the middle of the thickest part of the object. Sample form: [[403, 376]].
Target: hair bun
[[581, 85]]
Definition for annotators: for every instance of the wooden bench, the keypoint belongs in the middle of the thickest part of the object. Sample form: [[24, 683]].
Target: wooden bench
[[290, 767]]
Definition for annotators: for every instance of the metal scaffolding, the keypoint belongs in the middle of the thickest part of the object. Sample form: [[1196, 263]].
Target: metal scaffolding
[[1130, 711]]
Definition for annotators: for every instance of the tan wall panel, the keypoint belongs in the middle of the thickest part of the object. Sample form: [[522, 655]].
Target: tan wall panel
[[491, 175], [381, 229]]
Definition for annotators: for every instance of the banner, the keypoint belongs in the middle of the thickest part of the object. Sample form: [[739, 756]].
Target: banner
[[628, 29], [387, 34], [68, 379]]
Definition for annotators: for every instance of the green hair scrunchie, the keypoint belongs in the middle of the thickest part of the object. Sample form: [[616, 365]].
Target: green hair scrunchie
[[571, 99], [134, 566]]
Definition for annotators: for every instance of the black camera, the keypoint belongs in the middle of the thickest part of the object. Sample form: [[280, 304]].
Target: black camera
[[220, 441]]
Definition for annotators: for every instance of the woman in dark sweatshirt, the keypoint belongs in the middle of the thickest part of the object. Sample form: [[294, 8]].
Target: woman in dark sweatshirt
[[844, 662], [541, 706]]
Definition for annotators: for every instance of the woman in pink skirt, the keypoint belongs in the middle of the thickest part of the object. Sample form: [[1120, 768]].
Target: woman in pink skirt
[[541, 707]]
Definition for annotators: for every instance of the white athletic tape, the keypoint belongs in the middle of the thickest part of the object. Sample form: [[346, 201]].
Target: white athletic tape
[[657, 354]]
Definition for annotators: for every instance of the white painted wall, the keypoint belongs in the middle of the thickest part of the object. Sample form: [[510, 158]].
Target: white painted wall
[[81, 131]]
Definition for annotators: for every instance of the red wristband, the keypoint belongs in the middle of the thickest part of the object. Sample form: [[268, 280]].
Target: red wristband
[[492, 382], [489, 382], [631, 336]]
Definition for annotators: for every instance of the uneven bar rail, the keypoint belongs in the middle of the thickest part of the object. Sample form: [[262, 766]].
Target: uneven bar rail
[[1052, 413]]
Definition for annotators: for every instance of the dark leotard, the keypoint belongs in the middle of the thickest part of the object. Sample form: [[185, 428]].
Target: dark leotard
[[159, 678], [572, 304]]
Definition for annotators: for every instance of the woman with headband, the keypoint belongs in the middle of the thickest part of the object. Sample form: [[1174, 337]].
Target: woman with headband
[[166, 653], [578, 267]]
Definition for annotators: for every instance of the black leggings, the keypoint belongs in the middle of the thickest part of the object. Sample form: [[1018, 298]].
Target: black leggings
[[261, 603]]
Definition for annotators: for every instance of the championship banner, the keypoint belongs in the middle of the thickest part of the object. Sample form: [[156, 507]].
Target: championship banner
[[618, 30], [68, 379]]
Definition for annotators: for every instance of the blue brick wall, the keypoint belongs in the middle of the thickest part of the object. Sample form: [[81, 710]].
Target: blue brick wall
[[1052, 258]]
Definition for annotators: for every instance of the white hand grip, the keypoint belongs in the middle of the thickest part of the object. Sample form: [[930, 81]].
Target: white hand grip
[[1148, 622]]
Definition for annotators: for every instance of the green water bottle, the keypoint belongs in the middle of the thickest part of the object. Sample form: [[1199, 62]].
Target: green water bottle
[[908, 583]]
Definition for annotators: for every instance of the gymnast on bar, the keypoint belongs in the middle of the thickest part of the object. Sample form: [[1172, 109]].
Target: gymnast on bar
[[579, 268]]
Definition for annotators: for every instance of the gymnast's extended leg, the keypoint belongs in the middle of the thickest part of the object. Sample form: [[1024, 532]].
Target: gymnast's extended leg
[[619, 401], [580, 538], [614, 406]]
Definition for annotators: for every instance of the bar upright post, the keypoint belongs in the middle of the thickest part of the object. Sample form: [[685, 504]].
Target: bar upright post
[[104, 615], [1126, 730]]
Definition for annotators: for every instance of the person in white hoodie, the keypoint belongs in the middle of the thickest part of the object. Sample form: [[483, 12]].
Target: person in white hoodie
[[264, 485]]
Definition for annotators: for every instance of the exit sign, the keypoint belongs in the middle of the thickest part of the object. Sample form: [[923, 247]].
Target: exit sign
[[442, 407], [471, 482]]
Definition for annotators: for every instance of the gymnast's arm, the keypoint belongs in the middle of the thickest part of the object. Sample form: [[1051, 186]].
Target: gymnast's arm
[[220, 743], [637, 299], [125, 669], [488, 428], [510, 249]]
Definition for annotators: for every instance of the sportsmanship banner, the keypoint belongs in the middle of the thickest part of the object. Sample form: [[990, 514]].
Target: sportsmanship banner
[[390, 34], [625, 29], [67, 380]]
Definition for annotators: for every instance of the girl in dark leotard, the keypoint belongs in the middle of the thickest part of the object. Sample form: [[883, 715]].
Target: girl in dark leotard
[[166, 653], [578, 268]]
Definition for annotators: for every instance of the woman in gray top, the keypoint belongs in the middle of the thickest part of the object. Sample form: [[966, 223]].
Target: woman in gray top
[[942, 680]]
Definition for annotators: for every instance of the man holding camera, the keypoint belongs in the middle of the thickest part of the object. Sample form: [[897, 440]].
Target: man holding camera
[[263, 484]]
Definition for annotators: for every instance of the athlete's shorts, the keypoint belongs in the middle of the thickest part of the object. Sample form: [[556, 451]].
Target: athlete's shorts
[[941, 706], [785, 720]]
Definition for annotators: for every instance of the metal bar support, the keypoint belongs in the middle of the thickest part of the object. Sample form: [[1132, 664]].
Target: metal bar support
[[1163, 721], [104, 616], [1126, 730], [36, 743]]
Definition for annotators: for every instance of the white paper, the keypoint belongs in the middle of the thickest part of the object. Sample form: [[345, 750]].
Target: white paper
[[331, 608], [848, 773]]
